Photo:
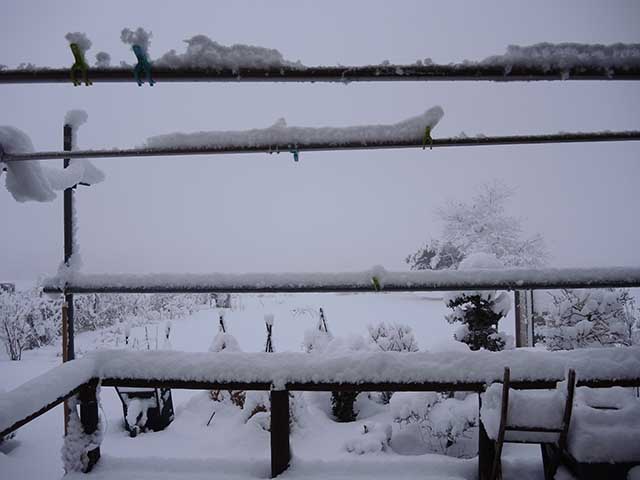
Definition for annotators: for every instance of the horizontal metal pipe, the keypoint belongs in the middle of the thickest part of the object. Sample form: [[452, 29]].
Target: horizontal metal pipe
[[359, 282], [579, 137], [366, 73]]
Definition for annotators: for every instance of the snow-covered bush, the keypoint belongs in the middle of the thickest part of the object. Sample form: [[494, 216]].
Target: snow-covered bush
[[478, 312], [373, 438], [588, 318], [27, 320], [224, 341], [481, 225], [392, 337], [446, 425]]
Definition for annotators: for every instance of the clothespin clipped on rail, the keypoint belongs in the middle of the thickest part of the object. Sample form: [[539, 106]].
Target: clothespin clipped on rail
[[79, 66], [143, 66], [427, 138], [376, 284], [296, 154]]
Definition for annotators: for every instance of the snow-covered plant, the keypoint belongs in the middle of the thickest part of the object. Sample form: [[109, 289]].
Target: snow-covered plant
[[393, 337], [445, 425], [590, 318], [478, 312], [224, 341], [481, 225], [373, 438], [28, 320], [317, 339]]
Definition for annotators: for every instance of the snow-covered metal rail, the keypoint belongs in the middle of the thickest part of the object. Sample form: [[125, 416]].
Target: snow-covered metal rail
[[630, 135], [343, 74], [376, 279]]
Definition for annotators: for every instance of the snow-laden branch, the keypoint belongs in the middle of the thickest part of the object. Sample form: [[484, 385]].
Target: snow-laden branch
[[426, 280]]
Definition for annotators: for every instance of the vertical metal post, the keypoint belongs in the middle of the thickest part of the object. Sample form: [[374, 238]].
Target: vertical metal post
[[518, 315], [89, 417], [280, 449], [68, 241], [530, 315], [486, 447]]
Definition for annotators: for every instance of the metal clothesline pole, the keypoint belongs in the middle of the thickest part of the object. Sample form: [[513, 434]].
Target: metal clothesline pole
[[344, 74], [633, 135]]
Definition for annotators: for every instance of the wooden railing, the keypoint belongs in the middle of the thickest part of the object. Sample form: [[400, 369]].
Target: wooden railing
[[613, 368]]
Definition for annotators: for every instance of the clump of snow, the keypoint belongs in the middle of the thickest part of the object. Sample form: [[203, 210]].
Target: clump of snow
[[202, 52], [30, 180], [26, 180], [103, 60], [139, 37], [268, 319], [79, 39], [567, 56], [281, 137], [374, 437]]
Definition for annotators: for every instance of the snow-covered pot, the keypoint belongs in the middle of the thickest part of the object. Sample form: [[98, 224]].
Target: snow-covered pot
[[146, 408]]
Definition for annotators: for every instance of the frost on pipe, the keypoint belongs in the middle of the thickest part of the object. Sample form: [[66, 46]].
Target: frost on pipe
[[281, 136], [426, 280]]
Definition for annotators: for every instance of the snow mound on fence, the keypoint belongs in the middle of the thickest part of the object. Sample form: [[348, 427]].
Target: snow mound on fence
[[30, 180], [281, 136], [202, 52], [567, 56], [139, 37], [25, 180]]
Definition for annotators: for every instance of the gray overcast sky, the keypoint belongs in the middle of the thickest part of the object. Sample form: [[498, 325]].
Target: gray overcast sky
[[332, 211]]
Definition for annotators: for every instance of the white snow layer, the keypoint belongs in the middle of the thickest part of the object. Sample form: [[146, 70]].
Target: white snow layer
[[281, 137], [79, 39], [202, 52], [30, 180], [103, 60], [567, 56], [605, 435]]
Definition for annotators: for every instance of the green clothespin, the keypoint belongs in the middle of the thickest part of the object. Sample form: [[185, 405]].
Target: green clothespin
[[79, 67], [376, 284], [296, 154], [427, 138], [143, 66]]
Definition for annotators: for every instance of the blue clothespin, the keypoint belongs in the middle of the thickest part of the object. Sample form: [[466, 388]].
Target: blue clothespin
[[296, 154], [143, 66]]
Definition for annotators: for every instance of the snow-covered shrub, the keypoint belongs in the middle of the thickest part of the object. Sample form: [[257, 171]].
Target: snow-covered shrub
[[443, 422], [481, 225], [478, 312], [373, 438], [392, 337], [317, 339], [588, 318], [28, 320], [224, 341]]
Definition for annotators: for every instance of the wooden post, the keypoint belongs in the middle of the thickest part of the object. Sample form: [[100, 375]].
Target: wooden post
[[68, 239], [280, 449], [89, 417], [486, 449]]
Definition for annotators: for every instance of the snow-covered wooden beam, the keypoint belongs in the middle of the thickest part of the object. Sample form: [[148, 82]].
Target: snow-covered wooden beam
[[376, 279], [343, 74], [579, 137]]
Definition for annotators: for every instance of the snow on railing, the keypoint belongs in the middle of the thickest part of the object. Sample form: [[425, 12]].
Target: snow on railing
[[356, 144], [425, 280], [284, 370]]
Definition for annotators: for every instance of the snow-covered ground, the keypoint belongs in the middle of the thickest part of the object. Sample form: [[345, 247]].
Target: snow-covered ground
[[230, 447]]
